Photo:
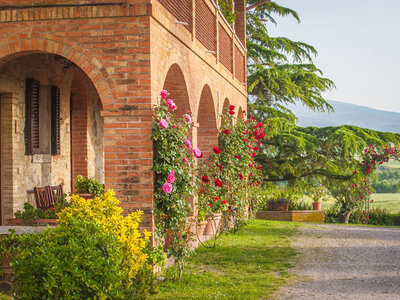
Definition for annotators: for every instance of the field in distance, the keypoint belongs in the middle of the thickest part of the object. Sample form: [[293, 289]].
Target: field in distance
[[389, 201]]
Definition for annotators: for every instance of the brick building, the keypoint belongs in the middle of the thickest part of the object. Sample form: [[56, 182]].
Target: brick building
[[78, 80]]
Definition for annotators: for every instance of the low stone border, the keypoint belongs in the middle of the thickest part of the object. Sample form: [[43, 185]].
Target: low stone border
[[315, 216]]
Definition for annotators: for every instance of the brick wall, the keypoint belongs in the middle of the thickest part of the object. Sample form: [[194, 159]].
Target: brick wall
[[181, 10], [225, 48], [205, 25], [240, 65]]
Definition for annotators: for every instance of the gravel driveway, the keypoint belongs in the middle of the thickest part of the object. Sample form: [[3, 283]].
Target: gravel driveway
[[345, 262]]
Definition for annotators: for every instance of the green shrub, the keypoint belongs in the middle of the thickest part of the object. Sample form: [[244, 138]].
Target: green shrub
[[331, 214], [30, 213], [394, 219], [78, 261], [301, 205], [88, 186], [376, 216]]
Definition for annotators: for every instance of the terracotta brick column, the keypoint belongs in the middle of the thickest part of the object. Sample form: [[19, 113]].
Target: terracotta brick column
[[79, 126], [240, 25], [128, 153]]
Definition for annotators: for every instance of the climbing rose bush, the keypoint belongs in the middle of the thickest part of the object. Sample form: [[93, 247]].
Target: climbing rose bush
[[361, 184], [230, 176], [174, 167]]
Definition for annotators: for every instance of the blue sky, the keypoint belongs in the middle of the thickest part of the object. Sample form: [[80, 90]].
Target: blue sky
[[358, 42]]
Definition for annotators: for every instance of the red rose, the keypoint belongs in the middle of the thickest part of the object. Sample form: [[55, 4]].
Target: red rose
[[209, 204], [52, 207], [237, 156], [205, 179], [225, 202], [241, 176], [220, 167], [216, 198], [259, 167], [226, 131], [231, 112], [218, 183], [252, 118], [216, 150], [232, 107]]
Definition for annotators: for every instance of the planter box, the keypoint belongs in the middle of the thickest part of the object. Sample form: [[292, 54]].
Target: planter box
[[292, 215], [38, 222]]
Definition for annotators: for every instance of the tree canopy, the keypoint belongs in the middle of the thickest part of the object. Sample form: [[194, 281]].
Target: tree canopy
[[280, 71]]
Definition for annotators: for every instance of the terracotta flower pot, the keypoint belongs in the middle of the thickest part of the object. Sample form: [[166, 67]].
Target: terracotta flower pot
[[213, 224], [86, 196], [200, 229], [317, 205]]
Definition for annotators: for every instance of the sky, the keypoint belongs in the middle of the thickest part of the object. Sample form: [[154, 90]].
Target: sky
[[358, 44]]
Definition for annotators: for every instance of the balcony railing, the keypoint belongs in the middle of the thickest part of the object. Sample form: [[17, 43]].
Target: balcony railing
[[205, 22]]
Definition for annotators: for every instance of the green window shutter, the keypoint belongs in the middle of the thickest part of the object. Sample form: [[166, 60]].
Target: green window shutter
[[32, 138], [55, 120]]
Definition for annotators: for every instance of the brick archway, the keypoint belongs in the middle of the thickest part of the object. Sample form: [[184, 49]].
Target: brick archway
[[225, 109], [207, 132], [175, 84], [30, 43]]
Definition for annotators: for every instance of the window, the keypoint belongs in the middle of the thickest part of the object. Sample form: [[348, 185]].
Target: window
[[32, 135], [42, 127]]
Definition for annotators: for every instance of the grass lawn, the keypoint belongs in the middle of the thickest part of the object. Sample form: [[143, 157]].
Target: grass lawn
[[390, 201], [251, 264]]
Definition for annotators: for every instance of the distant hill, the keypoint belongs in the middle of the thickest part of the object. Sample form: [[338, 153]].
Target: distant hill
[[349, 114]]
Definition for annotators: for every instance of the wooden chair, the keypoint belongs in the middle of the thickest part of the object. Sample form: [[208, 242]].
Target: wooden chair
[[43, 197], [56, 192], [47, 196]]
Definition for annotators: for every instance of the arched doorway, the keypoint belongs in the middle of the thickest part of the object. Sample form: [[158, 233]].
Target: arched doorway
[[48, 107], [207, 133], [175, 84]]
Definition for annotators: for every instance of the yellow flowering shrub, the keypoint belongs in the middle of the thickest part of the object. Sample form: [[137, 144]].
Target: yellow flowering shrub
[[106, 211]]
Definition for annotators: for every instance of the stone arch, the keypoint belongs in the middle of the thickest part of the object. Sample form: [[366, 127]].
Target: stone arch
[[175, 84], [207, 132], [26, 169], [29, 43], [240, 113], [225, 109]]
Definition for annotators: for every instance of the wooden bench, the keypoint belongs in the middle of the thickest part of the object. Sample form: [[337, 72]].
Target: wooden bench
[[47, 196]]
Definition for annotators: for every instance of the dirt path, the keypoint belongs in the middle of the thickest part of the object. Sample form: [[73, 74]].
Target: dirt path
[[346, 262]]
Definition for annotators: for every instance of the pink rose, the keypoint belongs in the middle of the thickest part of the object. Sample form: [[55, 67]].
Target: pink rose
[[167, 187], [163, 123], [171, 177], [187, 118], [171, 104], [188, 144], [184, 160], [197, 153], [164, 94]]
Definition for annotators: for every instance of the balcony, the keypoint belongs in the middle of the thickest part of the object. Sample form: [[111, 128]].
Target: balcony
[[207, 33]]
